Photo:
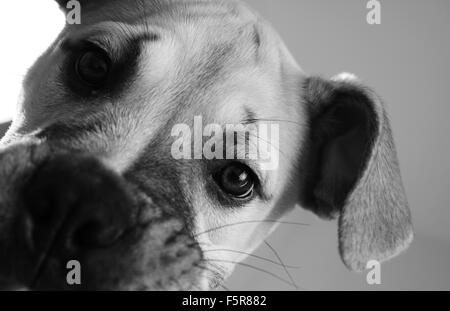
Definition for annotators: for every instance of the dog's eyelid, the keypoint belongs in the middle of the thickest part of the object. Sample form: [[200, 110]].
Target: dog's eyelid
[[254, 166], [72, 45], [261, 179], [98, 42]]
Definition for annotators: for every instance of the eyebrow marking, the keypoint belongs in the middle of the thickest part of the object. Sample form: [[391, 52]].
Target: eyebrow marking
[[122, 43], [115, 43]]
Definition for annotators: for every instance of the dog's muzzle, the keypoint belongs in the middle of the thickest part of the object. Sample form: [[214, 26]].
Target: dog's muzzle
[[56, 207]]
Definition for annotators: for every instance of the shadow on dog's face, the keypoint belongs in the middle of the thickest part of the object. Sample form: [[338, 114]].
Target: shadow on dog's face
[[106, 162]]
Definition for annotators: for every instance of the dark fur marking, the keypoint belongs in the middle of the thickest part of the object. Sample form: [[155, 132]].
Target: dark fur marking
[[342, 112], [161, 179], [123, 67]]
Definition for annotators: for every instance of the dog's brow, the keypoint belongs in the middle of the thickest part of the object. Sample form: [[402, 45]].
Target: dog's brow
[[114, 42]]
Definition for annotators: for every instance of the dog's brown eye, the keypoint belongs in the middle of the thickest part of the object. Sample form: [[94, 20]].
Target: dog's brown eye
[[93, 67], [237, 180]]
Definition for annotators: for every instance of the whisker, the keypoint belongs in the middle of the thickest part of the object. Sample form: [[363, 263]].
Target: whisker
[[282, 263], [251, 255], [254, 268], [250, 222], [272, 145]]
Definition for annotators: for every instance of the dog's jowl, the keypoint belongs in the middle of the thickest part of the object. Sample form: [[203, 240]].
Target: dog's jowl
[[87, 171]]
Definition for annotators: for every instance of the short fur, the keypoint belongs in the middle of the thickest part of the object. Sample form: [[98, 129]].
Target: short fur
[[88, 174]]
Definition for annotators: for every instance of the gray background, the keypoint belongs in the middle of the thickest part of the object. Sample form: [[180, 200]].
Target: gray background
[[406, 60]]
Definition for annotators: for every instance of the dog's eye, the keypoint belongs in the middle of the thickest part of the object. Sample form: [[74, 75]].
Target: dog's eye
[[92, 68], [236, 180]]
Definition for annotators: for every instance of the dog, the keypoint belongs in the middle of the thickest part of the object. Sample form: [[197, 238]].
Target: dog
[[87, 173]]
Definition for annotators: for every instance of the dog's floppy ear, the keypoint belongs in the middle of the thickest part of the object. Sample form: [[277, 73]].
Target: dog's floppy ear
[[350, 169]]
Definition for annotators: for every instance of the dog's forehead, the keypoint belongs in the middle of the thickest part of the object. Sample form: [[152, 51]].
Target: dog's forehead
[[208, 22], [215, 37], [139, 11]]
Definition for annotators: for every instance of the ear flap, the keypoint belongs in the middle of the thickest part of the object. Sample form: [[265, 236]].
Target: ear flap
[[350, 169]]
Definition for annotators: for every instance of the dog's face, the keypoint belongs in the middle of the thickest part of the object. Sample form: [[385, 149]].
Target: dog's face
[[91, 167]]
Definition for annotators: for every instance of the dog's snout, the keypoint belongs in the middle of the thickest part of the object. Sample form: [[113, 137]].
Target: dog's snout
[[63, 206], [77, 200], [94, 233]]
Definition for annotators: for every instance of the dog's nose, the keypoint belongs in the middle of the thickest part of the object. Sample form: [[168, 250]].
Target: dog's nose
[[75, 204]]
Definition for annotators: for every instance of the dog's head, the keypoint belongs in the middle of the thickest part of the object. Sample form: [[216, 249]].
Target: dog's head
[[158, 141]]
